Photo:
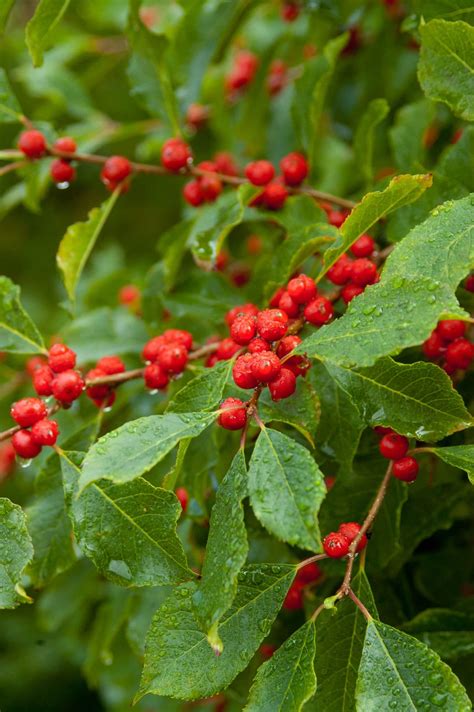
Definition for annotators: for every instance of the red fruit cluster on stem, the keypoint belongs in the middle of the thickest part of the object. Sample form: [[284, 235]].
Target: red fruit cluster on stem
[[337, 544], [103, 394], [166, 356], [449, 346], [395, 447]]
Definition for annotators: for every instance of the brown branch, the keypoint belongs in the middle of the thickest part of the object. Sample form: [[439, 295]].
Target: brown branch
[[203, 351], [12, 167], [316, 557], [359, 604]]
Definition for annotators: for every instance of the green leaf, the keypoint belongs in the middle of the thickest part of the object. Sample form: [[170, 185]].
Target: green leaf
[[286, 681], [18, 334], [417, 288], [395, 666], [449, 9], [286, 489], [78, 242], [340, 641], [16, 551], [5, 9], [374, 206], [461, 456], [134, 448], [301, 411], [40, 28], [449, 633], [416, 399], [446, 65], [364, 135], [226, 551], [10, 110], [406, 135], [128, 530], [178, 659], [204, 392]]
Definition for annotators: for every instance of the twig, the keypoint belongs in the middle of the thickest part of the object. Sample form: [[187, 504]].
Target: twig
[[316, 557], [359, 604], [12, 167]]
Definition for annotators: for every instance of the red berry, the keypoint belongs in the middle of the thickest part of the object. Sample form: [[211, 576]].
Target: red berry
[[294, 598], [350, 291], [67, 386], [336, 218], [363, 247], [226, 349], [66, 144], [382, 430], [351, 530], [405, 469], [288, 305], [179, 336], [222, 260], [290, 11], [7, 459], [211, 361], [24, 445], [267, 650], [32, 143], [129, 294], [61, 358], [42, 380], [308, 574], [319, 311], [302, 289], [393, 446], [284, 385], [245, 67], [98, 392], [175, 154], [62, 171], [363, 272], [211, 188], [277, 78], [233, 313], [193, 194], [111, 365], [274, 196], [275, 300], [173, 358], [298, 364], [34, 363], [197, 116], [265, 366], [294, 168], [450, 329], [460, 353], [243, 329], [233, 415], [469, 283], [242, 372], [153, 347], [115, 170], [155, 377], [272, 324], [182, 495], [225, 164], [260, 172], [336, 545], [433, 347], [340, 272], [28, 411], [258, 345], [287, 344], [45, 432]]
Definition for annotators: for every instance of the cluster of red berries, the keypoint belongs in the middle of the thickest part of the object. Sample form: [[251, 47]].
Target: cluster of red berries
[[449, 346], [300, 298], [166, 356], [294, 169], [242, 72], [305, 577], [395, 447], [354, 275], [336, 544], [103, 395], [33, 145], [57, 377], [37, 430]]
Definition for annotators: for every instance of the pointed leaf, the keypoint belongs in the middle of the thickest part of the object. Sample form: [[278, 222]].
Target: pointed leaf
[[178, 659], [10, 110], [449, 633], [204, 392], [301, 411], [18, 334], [375, 113], [16, 551], [39, 29], [286, 489], [286, 681], [461, 456]]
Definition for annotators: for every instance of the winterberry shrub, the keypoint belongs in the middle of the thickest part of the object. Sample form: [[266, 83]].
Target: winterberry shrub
[[235, 444]]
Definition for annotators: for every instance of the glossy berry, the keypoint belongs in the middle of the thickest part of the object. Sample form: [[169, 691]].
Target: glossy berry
[[294, 598], [319, 311], [340, 272], [99, 391], [260, 172], [294, 168], [258, 345], [183, 497], [308, 574], [225, 164], [24, 445], [178, 336], [111, 365], [152, 348], [287, 345], [288, 305], [67, 386], [242, 372], [450, 329], [336, 218], [211, 188], [45, 432], [193, 194], [405, 469], [393, 446], [65, 144], [61, 358], [28, 411], [243, 329], [62, 171], [434, 346], [302, 289], [336, 545], [226, 349], [32, 143], [233, 313], [156, 378], [265, 366], [351, 530], [173, 358], [283, 386], [469, 283], [115, 170], [243, 71], [363, 247], [272, 324], [233, 415], [274, 196], [175, 154], [460, 353], [42, 380], [275, 300], [363, 272], [350, 291]]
